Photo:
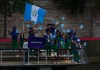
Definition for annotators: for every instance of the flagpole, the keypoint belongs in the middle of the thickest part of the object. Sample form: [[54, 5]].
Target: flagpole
[[23, 26]]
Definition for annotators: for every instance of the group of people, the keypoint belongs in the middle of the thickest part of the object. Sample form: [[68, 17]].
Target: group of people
[[62, 42], [18, 38], [55, 40]]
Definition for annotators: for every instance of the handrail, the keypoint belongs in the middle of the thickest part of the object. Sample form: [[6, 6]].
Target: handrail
[[38, 48], [69, 56]]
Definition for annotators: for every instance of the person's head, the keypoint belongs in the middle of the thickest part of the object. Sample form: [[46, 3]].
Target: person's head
[[25, 40], [58, 33], [20, 33], [67, 35], [48, 25], [31, 30], [64, 35], [14, 28], [49, 32], [52, 25], [71, 31]]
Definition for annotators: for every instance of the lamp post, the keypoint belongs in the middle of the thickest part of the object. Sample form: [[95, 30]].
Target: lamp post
[[91, 18], [5, 18], [5, 15]]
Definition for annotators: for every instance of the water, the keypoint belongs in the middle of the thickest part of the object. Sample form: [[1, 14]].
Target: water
[[90, 66]]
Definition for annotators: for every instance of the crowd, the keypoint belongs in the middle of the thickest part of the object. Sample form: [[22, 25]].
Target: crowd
[[59, 41], [55, 40]]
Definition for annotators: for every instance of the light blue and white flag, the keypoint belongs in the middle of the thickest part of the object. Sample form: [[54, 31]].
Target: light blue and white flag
[[34, 13]]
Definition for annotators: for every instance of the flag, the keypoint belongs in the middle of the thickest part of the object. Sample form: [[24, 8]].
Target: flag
[[34, 13]]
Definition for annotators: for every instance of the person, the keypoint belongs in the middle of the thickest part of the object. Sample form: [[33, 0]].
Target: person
[[36, 33], [67, 42], [62, 48], [25, 34], [72, 34], [14, 38], [21, 41], [48, 28], [74, 47], [25, 52], [31, 33], [53, 29], [48, 43], [57, 45], [80, 51]]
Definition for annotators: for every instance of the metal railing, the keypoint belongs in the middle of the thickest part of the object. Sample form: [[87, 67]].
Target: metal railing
[[40, 57]]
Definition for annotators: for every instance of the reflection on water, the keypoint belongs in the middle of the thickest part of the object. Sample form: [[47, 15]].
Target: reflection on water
[[93, 50], [91, 66]]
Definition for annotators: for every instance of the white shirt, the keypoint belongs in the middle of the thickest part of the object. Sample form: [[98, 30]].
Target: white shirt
[[25, 45]]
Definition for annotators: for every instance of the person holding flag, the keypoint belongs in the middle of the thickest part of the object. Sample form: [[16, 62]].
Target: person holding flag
[[35, 14]]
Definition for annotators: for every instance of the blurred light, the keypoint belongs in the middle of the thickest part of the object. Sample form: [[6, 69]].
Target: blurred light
[[63, 18], [57, 22], [64, 31], [62, 25], [81, 26], [40, 27], [28, 26], [68, 30]]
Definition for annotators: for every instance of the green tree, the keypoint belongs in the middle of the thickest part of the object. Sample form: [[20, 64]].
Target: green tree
[[96, 4], [8, 7], [74, 6], [13, 6]]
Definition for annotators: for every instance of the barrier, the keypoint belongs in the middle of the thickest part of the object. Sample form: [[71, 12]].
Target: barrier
[[12, 57]]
